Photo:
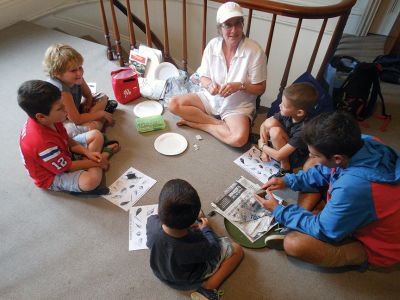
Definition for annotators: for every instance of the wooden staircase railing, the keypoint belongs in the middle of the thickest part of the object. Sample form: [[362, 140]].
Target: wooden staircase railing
[[275, 8]]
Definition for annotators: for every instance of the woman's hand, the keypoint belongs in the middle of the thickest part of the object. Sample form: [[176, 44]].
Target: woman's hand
[[213, 88], [229, 88]]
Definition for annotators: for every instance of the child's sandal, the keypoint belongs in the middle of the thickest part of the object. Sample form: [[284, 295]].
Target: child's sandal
[[109, 150]]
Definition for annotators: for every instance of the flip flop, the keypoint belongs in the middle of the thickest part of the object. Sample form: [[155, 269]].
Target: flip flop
[[108, 142], [109, 150]]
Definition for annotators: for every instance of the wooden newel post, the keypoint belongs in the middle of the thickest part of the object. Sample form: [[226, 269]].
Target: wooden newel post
[[106, 33], [116, 35]]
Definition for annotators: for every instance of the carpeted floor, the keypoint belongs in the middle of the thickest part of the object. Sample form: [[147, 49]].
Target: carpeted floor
[[57, 246]]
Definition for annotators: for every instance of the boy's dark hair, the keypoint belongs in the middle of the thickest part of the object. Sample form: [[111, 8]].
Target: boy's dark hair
[[179, 204], [37, 96], [302, 95], [333, 133]]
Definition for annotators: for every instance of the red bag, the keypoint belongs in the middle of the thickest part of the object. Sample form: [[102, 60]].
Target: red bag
[[125, 85]]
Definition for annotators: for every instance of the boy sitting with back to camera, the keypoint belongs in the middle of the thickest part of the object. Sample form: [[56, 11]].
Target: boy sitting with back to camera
[[46, 147], [280, 135], [63, 65], [185, 253]]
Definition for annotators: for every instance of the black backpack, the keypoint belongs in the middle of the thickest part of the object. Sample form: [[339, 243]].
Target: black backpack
[[390, 68], [359, 92]]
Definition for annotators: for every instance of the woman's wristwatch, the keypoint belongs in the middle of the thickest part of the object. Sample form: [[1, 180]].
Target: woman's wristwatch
[[242, 86]]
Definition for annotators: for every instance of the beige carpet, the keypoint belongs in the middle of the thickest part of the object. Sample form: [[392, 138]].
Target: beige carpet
[[56, 246]]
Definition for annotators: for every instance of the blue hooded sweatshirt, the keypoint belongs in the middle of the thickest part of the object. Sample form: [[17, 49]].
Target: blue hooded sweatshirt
[[363, 201]]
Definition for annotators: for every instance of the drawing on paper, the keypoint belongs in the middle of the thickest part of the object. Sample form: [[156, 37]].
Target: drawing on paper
[[129, 188]]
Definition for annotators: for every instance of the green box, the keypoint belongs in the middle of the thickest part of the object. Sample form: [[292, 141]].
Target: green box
[[151, 123]]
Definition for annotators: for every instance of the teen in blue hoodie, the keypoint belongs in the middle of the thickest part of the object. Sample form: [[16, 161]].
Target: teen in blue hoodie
[[360, 221]]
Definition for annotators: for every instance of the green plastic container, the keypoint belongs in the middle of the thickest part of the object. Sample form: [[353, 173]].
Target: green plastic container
[[151, 123]]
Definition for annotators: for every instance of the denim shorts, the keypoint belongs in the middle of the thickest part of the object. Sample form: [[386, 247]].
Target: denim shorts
[[67, 181], [226, 252], [81, 139]]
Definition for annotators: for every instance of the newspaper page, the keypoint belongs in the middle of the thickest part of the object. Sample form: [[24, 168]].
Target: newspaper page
[[240, 207], [251, 162]]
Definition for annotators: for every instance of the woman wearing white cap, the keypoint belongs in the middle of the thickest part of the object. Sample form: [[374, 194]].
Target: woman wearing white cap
[[233, 73]]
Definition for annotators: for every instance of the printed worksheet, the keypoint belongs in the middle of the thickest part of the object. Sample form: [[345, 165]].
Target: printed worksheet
[[138, 216], [129, 188], [252, 163]]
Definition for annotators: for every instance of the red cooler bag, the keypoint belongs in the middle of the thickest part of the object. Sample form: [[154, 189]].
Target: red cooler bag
[[125, 85]]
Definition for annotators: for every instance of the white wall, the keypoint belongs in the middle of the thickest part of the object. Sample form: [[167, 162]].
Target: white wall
[[12, 11], [84, 19]]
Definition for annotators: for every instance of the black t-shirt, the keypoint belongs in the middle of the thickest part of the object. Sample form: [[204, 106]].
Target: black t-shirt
[[294, 132], [180, 262]]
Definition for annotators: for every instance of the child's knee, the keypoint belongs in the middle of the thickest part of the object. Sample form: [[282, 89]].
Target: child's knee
[[95, 135], [89, 181], [277, 133], [292, 244]]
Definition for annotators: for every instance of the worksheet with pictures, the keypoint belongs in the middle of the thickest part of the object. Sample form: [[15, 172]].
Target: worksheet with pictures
[[129, 188], [252, 163], [138, 216]]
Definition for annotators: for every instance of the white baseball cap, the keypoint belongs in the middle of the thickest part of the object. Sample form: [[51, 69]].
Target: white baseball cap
[[228, 10]]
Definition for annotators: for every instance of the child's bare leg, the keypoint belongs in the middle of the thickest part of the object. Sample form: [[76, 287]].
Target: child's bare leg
[[90, 179], [310, 162], [99, 103], [312, 250], [308, 200], [279, 138], [94, 140], [226, 268]]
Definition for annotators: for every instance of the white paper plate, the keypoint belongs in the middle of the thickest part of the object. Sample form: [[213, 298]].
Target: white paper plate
[[165, 70], [170, 143], [147, 108]]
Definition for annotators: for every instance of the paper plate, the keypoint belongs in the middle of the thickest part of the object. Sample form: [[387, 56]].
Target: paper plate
[[170, 143], [165, 70], [147, 108]]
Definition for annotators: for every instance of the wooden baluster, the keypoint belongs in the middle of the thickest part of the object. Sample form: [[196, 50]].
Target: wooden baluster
[[116, 35], [270, 35], [106, 33], [290, 58], [337, 34], [249, 22], [148, 32], [184, 40], [204, 34], [132, 39], [316, 48], [167, 55]]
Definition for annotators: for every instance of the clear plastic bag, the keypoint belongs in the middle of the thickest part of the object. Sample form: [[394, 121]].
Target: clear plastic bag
[[181, 85]]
